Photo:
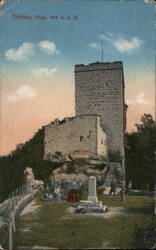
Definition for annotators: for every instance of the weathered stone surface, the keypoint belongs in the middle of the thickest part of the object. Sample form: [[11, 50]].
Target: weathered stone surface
[[92, 195], [71, 177], [82, 133], [99, 89], [114, 172], [103, 171], [81, 155]]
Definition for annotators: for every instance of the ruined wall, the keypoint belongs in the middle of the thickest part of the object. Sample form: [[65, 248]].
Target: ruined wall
[[76, 133], [99, 89]]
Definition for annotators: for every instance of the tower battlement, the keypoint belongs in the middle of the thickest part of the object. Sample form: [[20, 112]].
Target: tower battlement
[[99, 66]]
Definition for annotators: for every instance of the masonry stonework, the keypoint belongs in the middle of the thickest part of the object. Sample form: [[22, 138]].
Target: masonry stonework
[[82, 133], [99, 89]]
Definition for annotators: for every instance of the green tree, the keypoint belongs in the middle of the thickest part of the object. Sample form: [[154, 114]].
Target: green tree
[[140, 153], [30, 155]]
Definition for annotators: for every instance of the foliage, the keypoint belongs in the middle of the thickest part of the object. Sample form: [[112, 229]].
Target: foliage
[[146, 237], [140, 154], [114, 156], [30, 155]]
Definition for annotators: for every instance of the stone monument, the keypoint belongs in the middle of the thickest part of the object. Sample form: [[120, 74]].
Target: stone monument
[[92, 205], [92, 196]]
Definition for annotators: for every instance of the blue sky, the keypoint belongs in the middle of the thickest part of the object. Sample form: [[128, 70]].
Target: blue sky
[[121, 19], [37, 57]]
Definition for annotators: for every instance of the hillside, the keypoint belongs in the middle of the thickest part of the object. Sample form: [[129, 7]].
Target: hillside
[[29, 154]]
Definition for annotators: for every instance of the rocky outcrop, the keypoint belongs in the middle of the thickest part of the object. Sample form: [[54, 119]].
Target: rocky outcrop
[[84, 164]]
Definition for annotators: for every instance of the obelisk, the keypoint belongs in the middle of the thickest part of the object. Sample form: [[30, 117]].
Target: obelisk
[[92, 196]]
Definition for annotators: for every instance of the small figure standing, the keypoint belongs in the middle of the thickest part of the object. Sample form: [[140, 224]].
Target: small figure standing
[[45, 196], [129, 189], [50, 197], [74, 184], [64, 188], [122, 194], [57, 193], [113, 188], [73, 196], [80, 183]]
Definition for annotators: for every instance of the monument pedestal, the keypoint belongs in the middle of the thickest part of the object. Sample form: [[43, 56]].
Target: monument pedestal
[[92, 205], [92, 198]]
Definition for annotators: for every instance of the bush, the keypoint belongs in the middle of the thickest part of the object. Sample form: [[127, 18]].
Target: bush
[[146, 238]]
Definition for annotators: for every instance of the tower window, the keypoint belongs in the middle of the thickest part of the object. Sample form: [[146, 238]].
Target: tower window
[[101, 141], [81, 138]]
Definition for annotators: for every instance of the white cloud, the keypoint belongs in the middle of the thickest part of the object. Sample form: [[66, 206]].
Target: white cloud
[[122, 44], [98, 46], [28, 49], [107, 37], [22, 92], [94, 45], [48, 47], [20, 53], [139, 99], [44, 71], [149, 1]]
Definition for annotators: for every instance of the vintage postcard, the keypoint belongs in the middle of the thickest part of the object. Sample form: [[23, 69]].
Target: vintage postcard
[[77, 124]]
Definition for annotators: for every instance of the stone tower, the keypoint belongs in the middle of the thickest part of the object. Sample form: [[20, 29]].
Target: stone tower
[[99, 90]]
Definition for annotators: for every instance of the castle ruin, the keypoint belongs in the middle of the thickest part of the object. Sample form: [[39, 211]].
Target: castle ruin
[[100, 108], [81, 133]]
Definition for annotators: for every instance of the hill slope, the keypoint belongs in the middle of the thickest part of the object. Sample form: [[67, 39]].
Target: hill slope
[[30, 155]]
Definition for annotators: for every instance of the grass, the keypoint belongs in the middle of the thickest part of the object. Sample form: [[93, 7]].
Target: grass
[[119, 231], [133, 203]]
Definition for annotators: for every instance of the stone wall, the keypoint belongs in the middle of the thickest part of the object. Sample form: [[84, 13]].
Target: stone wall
[[73, 134], [114, 172], [99, 89]]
